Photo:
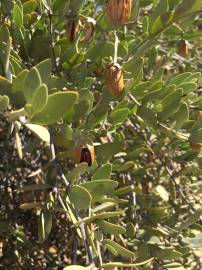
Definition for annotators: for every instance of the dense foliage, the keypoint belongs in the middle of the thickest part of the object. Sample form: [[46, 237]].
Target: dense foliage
[[100, 134]]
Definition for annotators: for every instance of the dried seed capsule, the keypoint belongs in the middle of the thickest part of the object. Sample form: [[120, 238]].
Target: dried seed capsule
[[114, 79], [118, 11], [183, 49], [89, 26], [85, 153], [72, 29]]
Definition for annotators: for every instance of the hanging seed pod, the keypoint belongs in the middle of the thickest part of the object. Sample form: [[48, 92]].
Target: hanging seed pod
[[89, 26], [114, 79], [183, 49], [118, 11], [85, 153], [72, 29]]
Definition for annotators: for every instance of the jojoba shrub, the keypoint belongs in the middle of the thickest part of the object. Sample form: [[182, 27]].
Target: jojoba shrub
[[100, 134]]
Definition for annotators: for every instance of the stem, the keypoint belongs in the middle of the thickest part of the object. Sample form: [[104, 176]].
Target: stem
[[122, 265], [134, 99], [116, 44], [99, 254]]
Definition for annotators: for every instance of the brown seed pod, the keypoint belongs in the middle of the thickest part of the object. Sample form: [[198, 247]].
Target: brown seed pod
[[72, 29], [183, 49], [118, 11], [114, 79], [85, 153], [89, 25], [196, 146]]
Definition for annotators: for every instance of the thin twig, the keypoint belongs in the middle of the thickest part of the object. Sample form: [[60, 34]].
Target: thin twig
[[116, 45], [134, 99], [99, 254]]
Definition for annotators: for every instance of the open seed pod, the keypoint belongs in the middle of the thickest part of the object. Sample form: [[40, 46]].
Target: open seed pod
[[183, 49], [118, 11], [114, 79], [72, 29], [85, 153]]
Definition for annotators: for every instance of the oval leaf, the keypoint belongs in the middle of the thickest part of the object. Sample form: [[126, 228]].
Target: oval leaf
[[58, 104], [80, 197]]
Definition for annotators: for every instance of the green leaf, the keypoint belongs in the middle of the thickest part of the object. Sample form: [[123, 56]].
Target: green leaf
[[123, 167], [117, 117], [31, 83], [58, 104], [97, 115], [123, 190], [188, 87], [103, 172], [103, 186], [120, 265], [45, 68], [130, 230], [119, 249], [112, 250], [161, 8], [4, 33], [4, 103], [107, 150], [148, 116], [29, 6], [103, 207], [144, 89], [78, 171], [17, 16], [40, 98], [186, 8], [110, 228], [121, 105], [80, 197], [171, 104], [86, 99], [4, 227], [180, 78], [100, 50], [41, 132], [162, 22], [18, 82], [174, 29], [134, 66], [168, 254], [48, 219], [31, 205], [197, 124], [181, 116], [100, 216]]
